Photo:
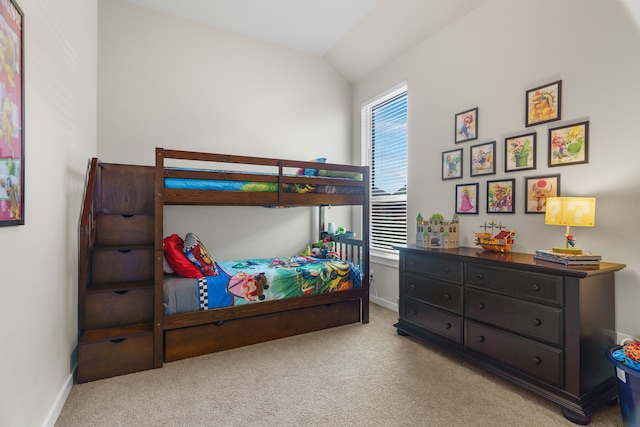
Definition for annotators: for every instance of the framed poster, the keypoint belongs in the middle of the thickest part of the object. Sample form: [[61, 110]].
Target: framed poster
[[543, 104], [467, 198], [12, 116], [466, 125], [483, 159], [520, 152], [501, 196], [569, 145], [537, 189], [452, 164]]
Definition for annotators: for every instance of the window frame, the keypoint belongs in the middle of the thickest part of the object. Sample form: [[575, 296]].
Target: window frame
[[367, 108]]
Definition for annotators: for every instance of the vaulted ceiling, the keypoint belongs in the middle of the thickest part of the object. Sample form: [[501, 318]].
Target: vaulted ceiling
[[355, 36]]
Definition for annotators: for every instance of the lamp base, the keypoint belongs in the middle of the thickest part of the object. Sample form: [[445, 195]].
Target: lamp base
[[569, 251]]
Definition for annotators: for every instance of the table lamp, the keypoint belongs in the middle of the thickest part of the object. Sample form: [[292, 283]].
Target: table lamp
[[570, 211]]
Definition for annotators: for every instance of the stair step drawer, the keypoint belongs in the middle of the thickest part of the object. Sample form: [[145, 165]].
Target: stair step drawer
[[534, 358], [124, 265], [439, 321], [124, 230], [104, 359], [118, 308], [527, 318]]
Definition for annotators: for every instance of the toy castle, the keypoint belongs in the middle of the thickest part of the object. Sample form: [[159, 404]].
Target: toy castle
[[436, 233]]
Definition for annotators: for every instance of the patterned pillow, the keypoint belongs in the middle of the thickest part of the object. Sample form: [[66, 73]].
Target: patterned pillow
[[176, 258], [195, 252], [311, 172]]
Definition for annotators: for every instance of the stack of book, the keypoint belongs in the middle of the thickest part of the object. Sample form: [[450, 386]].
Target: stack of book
[[568, 260]]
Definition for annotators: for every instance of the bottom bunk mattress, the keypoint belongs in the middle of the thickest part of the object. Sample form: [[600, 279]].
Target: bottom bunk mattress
[[254, 280]]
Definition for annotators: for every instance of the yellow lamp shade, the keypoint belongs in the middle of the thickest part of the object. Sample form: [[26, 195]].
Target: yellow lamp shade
[[571, 211]]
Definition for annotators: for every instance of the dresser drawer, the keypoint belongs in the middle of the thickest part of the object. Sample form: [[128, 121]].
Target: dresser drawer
[[441, 322], [124, 230], [434, 267], [441, 294], [534, 320], [543, 288], [108, 358], [126, 265], [533, 358], [118, 308]]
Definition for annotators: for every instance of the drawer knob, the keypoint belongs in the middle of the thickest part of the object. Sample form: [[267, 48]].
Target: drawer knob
[[536, 322], [480, 276], [480, 338], [536, 360], [414, 312], [447, 269], [447, 296], [412, 263], [412, 286], [447, 325], [480, 306], [535, 287]]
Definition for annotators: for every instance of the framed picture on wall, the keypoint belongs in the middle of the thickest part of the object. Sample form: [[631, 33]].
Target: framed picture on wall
[[501, 196], [483, 159], [452, 164], [537, 189], [543, 104], [12, 124], [569, 145], [466, 125], [467, 198], [520, 152]]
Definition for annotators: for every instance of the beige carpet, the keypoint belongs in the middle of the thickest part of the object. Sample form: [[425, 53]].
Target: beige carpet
[[355, 375]]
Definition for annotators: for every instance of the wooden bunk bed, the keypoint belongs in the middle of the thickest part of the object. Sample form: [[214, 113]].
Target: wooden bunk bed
[[177, 336], [122, 323]]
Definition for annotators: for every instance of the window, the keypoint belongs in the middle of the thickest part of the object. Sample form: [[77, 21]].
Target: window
[[384, 123]]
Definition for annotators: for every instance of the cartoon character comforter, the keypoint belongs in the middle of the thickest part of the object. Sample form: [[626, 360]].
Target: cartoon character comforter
[[254, 280]]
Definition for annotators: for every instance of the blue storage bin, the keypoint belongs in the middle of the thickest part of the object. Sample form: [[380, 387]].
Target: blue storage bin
[[628, 389]]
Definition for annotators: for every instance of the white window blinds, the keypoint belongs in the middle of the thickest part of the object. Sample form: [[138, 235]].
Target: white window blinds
[[385, 130]]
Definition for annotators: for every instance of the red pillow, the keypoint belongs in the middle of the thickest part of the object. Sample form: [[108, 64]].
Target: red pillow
[[176, 258]]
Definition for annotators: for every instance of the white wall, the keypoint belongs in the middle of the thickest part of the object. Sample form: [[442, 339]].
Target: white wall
[[169, 82], [488, 59], [38, 260]]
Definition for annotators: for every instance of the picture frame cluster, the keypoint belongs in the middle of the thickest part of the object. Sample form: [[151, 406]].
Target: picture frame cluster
[[566, 144]]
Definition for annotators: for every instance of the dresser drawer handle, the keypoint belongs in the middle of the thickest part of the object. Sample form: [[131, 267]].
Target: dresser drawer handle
[[414, 311], [117, 340], [412, 285], [447, 325], [536, 322], [536, 360], [535, 287], [480, 338], [480, 276], [447, 270], [446, 296], [412, 263], [480, 306]]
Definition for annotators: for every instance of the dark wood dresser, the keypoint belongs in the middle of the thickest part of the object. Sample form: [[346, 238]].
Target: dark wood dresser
[[543, 327]]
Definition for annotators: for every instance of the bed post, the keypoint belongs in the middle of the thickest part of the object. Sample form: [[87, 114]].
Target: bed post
[[365, 241], [158, 253]]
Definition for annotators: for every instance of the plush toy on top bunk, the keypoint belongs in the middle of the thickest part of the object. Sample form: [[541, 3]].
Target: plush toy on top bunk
[[500, 242]]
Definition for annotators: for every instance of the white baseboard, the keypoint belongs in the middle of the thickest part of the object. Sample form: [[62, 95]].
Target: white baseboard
[[386, 303], [54, 413]]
